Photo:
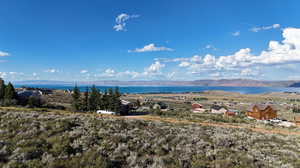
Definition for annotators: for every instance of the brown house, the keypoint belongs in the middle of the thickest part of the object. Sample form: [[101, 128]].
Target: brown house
[[262, 112], [229, 114], [297, 121], [197, 108], [196, 105]]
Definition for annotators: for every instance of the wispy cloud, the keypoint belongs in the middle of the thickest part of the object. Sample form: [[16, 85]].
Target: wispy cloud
[[209, 46], [237, 33], [4, 54], [51, 70], [84, 71], [121, 20], [257, 29], [151, 48]]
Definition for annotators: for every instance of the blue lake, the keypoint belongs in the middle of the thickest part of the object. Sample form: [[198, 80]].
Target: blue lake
[[179, 89]]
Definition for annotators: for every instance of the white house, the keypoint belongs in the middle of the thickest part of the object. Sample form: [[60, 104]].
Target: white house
[[215, 109]]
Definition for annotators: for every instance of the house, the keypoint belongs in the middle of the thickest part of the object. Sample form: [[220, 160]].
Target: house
[[216, 109], [297, 120], [197, 108], [25, 94], [229, 114], [261, 112]]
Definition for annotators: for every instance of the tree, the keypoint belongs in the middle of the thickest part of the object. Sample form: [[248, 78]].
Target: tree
[[116, 100], [94, 99], [10, 95], [110, 99], [105, 101], [86, 100], [2, 89], [76, 98]]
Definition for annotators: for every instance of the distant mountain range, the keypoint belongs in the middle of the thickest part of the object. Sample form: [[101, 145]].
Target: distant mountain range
[[208, 82]]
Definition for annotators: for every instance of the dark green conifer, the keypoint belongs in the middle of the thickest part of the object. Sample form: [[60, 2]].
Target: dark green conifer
[[94, 98], [10, 92], [2, 89], [76, 98]]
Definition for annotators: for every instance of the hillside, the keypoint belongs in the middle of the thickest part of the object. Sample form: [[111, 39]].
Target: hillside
[[40, 139]]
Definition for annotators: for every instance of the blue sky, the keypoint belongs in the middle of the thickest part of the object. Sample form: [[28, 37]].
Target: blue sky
[[149, 40]]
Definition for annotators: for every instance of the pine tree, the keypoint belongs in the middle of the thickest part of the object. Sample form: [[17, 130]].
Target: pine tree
[[116, 100], [2, 89], [105, 101], [76, 98], [110, 99], [94, 98], [86, 99], [10, 94]]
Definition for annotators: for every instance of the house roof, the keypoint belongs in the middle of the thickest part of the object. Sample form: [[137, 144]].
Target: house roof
[[124, 102], [217, 107], [260, 106], [28, 93], [197, 105]]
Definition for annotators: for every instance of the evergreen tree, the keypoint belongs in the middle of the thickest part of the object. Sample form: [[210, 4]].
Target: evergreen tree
[[110, 100], [116, 100], [86, 99], [117, 92], [76, 98], [10, 94], [94, 98], [2, 89], [105, 101]]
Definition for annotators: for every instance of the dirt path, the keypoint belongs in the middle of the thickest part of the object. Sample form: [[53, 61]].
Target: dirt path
[[224, 125]]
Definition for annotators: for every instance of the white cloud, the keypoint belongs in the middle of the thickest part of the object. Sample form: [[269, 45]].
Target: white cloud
[[237, 33], [150, 48], [84, 71], [12, 75], [278, 53], [4, 54], [154, 68], [209, 46], [131, 74], [184, 64], [247, 72], [51, 70], [3, 74], [257, 29], [216, 75], [109, 72], [121, 21]]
